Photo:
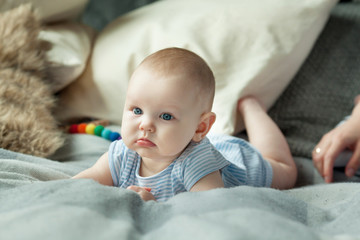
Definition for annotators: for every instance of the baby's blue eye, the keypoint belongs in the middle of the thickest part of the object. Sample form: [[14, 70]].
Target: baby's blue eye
[[166, 116], [137, 111]]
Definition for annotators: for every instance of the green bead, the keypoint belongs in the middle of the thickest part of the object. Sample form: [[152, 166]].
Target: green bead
[[98, 130]]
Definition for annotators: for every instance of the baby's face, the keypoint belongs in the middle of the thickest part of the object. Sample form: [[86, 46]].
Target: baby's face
[[160, 116]]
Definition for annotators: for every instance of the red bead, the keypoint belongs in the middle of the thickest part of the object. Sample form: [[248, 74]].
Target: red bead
[[73, 128]]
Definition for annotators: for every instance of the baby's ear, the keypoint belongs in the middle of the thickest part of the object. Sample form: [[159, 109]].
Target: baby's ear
[[205, 124]]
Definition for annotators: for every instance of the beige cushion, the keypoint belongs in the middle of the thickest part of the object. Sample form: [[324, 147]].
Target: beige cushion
[[253, 46], [71, 46], [50, 10]]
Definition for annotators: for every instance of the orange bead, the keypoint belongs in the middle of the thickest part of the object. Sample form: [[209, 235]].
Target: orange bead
[[82, 127]]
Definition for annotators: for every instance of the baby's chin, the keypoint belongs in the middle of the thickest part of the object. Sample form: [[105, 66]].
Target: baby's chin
[[156, 157]]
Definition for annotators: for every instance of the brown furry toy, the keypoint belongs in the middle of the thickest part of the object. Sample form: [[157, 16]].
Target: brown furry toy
[[27, 124]]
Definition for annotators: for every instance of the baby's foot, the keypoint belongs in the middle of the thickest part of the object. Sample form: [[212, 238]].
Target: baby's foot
[[357, 99]]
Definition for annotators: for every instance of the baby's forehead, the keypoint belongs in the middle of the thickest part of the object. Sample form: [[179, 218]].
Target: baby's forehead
[[177, 85], [178, 77]]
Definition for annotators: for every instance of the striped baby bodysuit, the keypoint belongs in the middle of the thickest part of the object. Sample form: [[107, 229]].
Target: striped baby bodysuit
[[238, 161]]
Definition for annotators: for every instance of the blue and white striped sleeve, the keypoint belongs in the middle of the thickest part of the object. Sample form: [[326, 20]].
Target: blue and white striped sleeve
[[115, 163], [201, 161]]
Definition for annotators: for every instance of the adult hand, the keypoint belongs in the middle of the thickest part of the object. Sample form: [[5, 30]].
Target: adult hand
[[144, 193], [345, 136]]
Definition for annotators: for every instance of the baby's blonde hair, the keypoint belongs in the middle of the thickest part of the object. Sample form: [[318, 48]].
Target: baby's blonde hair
[[170, 61]]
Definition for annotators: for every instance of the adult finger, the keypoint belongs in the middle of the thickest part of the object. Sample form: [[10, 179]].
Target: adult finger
[[319, 152], [334, 149], [354, 162]]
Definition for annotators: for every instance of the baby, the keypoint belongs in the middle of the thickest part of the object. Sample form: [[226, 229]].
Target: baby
[[165, 149]]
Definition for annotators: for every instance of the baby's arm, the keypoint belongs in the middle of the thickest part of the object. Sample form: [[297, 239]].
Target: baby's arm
[[210, 181], [99, 172]]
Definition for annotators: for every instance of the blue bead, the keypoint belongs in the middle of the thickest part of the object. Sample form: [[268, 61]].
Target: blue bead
[[114, 136]]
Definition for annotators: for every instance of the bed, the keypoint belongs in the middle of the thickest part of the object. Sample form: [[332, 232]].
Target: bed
[[38, 200]]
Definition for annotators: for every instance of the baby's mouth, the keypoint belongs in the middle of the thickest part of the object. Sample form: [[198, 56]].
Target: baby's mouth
[[144, 142]]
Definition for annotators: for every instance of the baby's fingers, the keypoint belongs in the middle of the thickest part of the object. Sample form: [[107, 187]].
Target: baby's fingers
[[134, 188], [138, 189], [144, 192]]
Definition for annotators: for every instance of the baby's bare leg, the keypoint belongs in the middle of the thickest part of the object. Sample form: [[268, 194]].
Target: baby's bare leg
[[265, 135]]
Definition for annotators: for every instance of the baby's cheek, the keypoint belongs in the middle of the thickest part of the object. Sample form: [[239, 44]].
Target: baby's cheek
[[124, 131], [127, 133], [128, 125], [177, 142]]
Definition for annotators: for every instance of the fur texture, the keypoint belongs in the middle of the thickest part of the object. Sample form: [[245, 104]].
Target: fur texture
[[26, 102]]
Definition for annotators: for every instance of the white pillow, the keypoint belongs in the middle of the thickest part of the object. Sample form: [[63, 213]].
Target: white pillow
[[253, 46], [50, 10], [71, 46]]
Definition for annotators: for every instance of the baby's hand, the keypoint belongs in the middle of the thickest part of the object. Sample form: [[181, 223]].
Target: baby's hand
[[144, 193]]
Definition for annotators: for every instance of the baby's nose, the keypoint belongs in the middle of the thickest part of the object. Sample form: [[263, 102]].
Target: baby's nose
[[147, 125]]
